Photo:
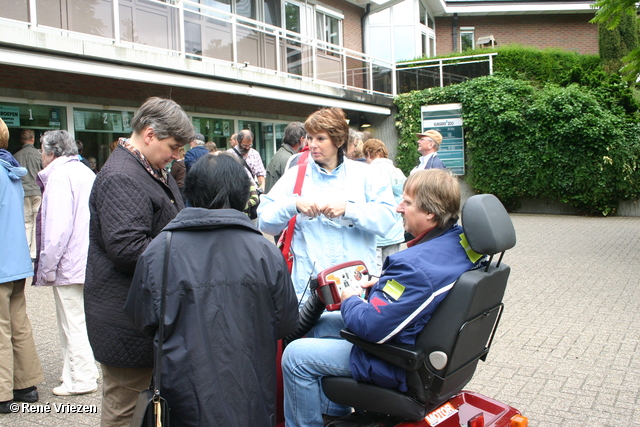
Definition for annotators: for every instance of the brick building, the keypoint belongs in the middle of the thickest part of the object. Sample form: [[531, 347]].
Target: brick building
[[410, 28], [86, 65]]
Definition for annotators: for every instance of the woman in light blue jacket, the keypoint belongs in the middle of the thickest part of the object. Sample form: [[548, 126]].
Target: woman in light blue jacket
[[20, 368], [341, 209], [62, 231]]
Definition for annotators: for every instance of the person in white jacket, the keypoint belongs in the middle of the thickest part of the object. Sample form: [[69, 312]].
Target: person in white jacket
[[341, 209], [63, 242], [376, 155]]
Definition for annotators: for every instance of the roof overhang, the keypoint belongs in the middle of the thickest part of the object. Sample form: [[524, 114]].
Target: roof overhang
[[443, 8], [470, 7]]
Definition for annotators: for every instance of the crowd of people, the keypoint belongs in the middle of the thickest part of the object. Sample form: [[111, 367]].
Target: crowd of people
[[114, 246]]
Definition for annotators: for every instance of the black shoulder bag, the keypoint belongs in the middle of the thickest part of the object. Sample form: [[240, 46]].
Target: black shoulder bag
[[152, 410], [252, 211]]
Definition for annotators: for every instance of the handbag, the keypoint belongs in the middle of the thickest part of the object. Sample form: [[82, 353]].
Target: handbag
[[284, 242], [152, 410]]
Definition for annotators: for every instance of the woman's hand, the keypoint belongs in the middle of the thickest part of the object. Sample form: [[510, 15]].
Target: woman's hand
[[307, 207], [334, 210]]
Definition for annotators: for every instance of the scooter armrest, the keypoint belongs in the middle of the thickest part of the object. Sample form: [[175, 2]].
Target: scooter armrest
[[404, 356]]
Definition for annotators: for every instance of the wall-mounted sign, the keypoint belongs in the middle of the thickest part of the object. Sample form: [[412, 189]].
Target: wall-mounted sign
[[10, 115], [447, 119]]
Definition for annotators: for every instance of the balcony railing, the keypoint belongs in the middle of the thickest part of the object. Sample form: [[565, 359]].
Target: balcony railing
[[200, 32], [423, 74]]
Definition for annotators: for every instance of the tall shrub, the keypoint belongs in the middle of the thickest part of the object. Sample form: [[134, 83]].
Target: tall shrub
[[564, 143]]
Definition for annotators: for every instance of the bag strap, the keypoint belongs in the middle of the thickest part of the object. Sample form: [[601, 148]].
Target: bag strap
[[163, 306], [297, 189]]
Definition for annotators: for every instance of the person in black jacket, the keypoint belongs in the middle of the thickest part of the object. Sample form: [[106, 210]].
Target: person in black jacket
[[229, 298], [132, 199]]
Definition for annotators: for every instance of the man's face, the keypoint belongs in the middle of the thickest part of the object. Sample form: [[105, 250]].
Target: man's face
[[425, 145], [416, 221], [245, 145], [159, 152]]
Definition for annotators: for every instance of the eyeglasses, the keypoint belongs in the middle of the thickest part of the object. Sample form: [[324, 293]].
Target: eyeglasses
[[246, 145]]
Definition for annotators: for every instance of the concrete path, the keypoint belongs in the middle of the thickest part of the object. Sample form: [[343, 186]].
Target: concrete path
[[567, 352]]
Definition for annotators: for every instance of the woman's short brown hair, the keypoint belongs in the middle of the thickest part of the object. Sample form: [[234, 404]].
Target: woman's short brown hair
[[375, 149], [333, 121], [435, 191], [4, 135]]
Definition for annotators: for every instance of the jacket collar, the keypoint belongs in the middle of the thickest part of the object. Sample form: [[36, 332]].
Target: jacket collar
[[209, 219], [55, 164]]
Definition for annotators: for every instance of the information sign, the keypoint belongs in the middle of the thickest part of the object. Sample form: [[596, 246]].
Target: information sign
[[447, 119]]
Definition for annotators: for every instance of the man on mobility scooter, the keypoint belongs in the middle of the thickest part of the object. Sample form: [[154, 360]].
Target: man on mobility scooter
[[402, 373]]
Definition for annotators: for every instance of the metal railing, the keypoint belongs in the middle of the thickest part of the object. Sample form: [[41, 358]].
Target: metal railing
[[197, 31], [200, 32], [423, 74]]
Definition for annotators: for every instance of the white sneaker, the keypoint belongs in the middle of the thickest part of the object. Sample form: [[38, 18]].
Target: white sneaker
[[62, 391]]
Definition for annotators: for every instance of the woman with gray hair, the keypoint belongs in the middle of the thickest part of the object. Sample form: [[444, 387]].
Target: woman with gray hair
[[62, 231]]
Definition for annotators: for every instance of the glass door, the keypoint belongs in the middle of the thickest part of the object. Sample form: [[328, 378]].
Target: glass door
[[298, 19]]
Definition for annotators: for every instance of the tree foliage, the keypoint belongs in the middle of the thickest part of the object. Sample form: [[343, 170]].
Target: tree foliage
[[574, 143], [619, 37]]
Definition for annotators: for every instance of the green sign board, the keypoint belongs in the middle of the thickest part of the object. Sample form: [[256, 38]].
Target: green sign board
[[10, 115], [447, 119]]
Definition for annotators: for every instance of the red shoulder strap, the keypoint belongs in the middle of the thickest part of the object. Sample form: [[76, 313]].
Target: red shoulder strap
[[297, 189]]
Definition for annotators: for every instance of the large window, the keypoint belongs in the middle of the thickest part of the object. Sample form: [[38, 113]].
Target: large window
[[98, 129], [467, 36], [39, 118], [83, 16], [328, 28], [214, 129]]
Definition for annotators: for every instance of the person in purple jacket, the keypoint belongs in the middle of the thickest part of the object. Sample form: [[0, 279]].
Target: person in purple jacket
[[63, 241], [412, 284]]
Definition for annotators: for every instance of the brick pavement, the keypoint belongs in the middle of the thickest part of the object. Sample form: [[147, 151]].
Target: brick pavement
[[567, 352]]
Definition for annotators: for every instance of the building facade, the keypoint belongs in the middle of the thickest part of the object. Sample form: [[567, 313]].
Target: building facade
[[86, 65], [405, 30]]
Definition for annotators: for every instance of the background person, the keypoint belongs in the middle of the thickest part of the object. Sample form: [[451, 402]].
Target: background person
[[132, 199], [63, 241], [197, 150], [428, 145], [341, 209], [20, 368], [295, 137], [252, 158], [93, 164], [354, 146], [29, 157], [376, 154], [224, 317], [400, 303]]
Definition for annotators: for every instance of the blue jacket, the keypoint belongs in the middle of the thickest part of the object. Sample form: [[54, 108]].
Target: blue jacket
[[14, 250], [193, 155], [320, 243], [413, 283]]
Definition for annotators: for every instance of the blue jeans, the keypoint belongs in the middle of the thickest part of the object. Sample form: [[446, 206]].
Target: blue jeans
[[304, 363]]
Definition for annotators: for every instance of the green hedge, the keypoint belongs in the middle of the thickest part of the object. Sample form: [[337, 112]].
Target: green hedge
[[576, 143]]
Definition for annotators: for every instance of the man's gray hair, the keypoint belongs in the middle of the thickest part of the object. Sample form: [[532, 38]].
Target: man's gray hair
[[59, 143], [166, 118], [293, 133]]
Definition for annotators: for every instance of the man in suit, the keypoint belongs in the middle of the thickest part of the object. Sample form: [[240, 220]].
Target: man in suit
[[428, 145]]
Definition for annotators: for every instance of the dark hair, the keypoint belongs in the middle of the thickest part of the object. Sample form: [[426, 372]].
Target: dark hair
[[166, 118], [27, 135], [217, 182], [293, 133]]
